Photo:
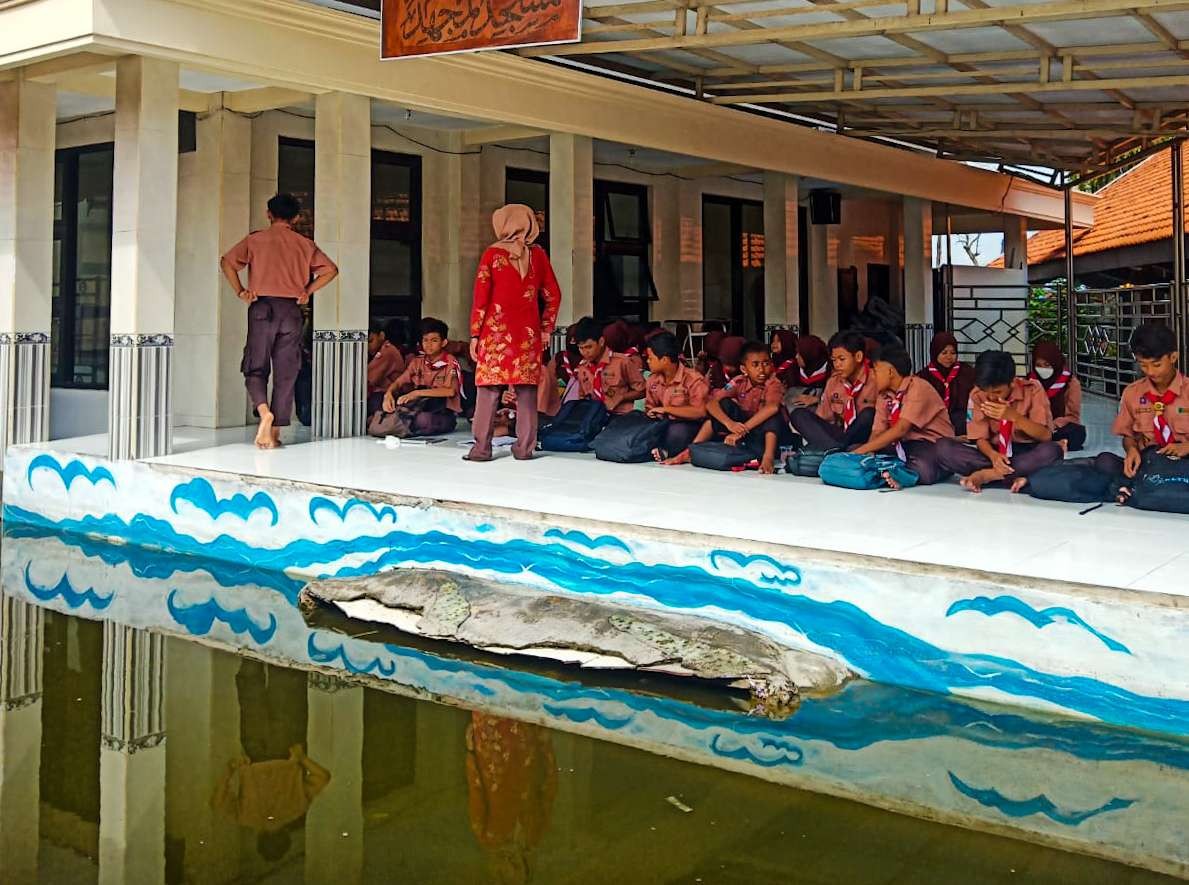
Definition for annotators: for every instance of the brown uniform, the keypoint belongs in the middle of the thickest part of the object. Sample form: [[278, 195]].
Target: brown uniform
[[1027, 397], [421, 374], [833, 402], [920, 406], [1137, 412], [752, 397], [826, 427], [688, 388], [385, 366], [1027, 455], [621, 379]]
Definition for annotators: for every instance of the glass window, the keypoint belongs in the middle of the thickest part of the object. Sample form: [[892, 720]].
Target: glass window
[[295, 175], [623, 251], [532, 189], [396, 238], [81, 309]]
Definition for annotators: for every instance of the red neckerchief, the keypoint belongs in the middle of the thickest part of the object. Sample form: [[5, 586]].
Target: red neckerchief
[[851, 410], [596, 370], [1160, 402], [895, 405], [816, 378], [1057, 386], [785, 366], [946, 380]]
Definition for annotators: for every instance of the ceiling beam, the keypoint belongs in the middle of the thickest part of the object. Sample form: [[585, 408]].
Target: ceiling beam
[[496, 134], [266, 98], [710, 170], [99, 86]]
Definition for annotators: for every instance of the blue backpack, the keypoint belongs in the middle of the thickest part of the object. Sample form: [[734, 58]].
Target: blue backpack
[[577, 423], [850, 471]]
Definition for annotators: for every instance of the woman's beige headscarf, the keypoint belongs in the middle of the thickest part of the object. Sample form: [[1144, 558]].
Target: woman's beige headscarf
[[516, 228]]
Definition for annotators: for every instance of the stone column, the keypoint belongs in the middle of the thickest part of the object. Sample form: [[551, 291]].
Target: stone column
[[823, 278], [22, 642], [27, 136], [1015, 242], [918, 278], [692, 305], [451, 183], [571, 223], [781, 279], [334, 823], [144, 245], [342, 194], [132, 757], [213, 213]]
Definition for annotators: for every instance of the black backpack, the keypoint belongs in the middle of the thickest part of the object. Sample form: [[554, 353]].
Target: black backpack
[[1075, 481], [577, 423], [805, 462], [1161, 484], [629, 439], [720, 456]]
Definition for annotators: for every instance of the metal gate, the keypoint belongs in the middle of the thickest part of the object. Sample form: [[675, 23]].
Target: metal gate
[[1105, 319]]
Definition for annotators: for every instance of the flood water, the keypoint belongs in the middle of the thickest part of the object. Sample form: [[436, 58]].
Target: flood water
[[130, 754]]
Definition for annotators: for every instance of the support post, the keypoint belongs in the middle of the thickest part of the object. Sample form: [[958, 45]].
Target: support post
[[918, 279], [571, 223], [1071, 307], [144, 246], [22, 642], [781, 283], [823, 276], [1179, 320], [334, 823]]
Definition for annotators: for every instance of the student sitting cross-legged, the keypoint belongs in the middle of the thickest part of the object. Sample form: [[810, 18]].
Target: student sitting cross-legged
[[1010, 424], [675, 394], [748, 411], [424, 400], [614, 379], [910, 417], [846, 412], [950, 377], [1064, 392]]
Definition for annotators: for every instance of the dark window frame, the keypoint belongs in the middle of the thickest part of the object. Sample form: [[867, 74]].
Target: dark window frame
[[530, 176], [736, 205], [62, 372], [308, 207], [608, 304], [409, 232]]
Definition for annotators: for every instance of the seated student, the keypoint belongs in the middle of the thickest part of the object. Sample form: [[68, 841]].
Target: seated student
[[708, 362], [783, 347], [748, 411], [1010, 423], [611, 378], [952, 379], [619, 337], [1153, 411], [813, 370], [730, 353], [846, 412], [1064, 392], [675, 393], [385, 363], [548, 399], [426, 396], [910, 417]]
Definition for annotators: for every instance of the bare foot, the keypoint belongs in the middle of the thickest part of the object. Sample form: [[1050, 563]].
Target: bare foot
[[891, 481], [276, 438], [660, 456], [973, 483], [678, 459], [264, 433], [1019, 484], [1064, 443]]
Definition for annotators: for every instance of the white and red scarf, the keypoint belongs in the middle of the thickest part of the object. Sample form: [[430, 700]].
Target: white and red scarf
[[596, 370], [1160, 403], [945, 380], [1054, 389], [818, 377], [895, 406], [851, 410], [450, 361]]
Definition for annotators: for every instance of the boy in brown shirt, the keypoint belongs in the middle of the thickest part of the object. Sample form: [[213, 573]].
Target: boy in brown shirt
[[675, 394], [1009, 421], [284, 270], [432, 381], [611, 378], [910, 417], [385, 363], [846, 411], [748, 411]]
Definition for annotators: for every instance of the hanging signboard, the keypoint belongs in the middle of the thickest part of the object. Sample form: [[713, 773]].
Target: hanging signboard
[[437, 27]]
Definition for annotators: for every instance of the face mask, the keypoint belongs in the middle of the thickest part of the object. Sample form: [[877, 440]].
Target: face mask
[[1045, 372]]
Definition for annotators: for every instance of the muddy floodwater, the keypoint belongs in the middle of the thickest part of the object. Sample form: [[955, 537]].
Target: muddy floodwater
[[159, 728]]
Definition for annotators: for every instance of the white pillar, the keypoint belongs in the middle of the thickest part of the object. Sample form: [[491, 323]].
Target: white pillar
[[334, 823], [342, 227], [781, 279], [1015, 242], [27, 136], [571, 223], [918, 278], [22, 641], [666, 248], [132, 758], [213, 212], [144, 244], [823, 277], [455, 234], [692, 303]]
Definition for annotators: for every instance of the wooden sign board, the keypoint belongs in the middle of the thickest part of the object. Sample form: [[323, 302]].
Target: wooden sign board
[[436, 27]]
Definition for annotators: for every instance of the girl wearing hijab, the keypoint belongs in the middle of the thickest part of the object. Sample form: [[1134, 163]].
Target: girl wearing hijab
[[813, 369], [730, 352], [783, 347], [953, 380], [1064, 391], [509, 330], [708, 363]]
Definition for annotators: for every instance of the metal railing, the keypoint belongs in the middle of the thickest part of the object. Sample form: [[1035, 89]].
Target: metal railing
[[1105, 320], [989, 317]]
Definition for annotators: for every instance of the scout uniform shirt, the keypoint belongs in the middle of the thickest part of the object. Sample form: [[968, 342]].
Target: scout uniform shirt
[[688, 388], [1027, 397], [421, 374], [385, 366], [1141, 405], [920, 405], [279, 261], [832, 407], [750, 396], [614, 375]]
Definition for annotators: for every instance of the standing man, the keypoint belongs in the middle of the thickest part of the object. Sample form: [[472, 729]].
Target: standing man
[[284, 270]]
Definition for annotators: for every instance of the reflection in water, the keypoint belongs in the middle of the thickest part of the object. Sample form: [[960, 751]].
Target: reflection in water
[[131, 756]]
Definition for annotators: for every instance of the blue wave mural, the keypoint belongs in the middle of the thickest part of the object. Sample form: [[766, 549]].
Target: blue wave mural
[[68, 473], [1041, 804], [883, 652], [1037, 618], [781, 574], [201, 494], [198, 619], [64, 589], [379, 514], [769, 753], [337, 655], [582, 539]]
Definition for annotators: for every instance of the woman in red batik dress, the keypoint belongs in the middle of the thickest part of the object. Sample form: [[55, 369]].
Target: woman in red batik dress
[[509, 328]]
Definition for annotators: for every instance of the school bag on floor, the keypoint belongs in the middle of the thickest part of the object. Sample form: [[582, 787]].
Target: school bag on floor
[[720, 456], [1162, 484], [574, 428], [629, 439], [851, 471], [1075, 481], [806, 462]]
